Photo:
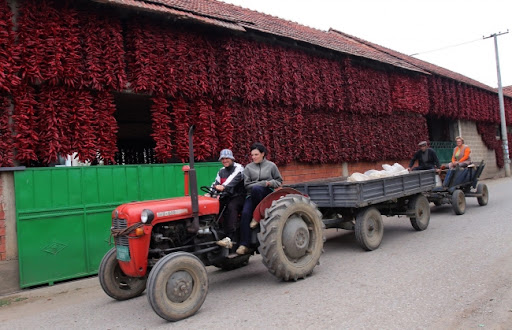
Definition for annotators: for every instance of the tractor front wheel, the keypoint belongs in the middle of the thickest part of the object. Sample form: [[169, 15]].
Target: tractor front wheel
[[291, 237], [115, 283], [177, 286]]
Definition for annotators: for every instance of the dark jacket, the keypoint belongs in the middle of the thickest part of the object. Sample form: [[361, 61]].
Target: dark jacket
[[232, 178], [432, 160]]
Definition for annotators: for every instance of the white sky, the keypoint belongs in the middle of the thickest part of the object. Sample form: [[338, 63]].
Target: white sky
[[415, 26]]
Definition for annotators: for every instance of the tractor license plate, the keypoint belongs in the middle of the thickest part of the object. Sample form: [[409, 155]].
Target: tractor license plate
[[123, 253]]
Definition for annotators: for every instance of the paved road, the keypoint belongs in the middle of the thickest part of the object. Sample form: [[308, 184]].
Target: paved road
[[455, 275]]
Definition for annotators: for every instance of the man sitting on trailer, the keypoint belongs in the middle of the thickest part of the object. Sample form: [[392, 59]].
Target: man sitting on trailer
[[426, 157]]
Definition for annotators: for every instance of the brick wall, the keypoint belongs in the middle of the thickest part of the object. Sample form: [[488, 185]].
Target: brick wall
[[3, 253], [297, 172], [479, 150]]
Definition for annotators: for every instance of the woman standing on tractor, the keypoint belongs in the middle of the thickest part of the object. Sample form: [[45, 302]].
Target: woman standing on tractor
[[261, 177]]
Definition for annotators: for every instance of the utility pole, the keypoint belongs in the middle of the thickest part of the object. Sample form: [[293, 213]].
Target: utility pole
[[504, 137]]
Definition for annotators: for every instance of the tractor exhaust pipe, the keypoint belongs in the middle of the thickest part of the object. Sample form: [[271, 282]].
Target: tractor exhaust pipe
[[193, 227]]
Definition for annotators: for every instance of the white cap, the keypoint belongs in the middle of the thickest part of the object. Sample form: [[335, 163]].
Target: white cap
[[226, 153]]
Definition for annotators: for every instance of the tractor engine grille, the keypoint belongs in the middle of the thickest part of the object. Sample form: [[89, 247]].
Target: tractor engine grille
[[120, 224]]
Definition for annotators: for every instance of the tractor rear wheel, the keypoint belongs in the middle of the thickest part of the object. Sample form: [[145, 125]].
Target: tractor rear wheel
[[369, 228], [177, 286], [420, 206], [482, 189], [115, 283], [458, 202], [291, 237]]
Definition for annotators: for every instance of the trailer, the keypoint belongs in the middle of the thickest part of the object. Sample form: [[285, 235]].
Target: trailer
[[458, 184], [359, 206]]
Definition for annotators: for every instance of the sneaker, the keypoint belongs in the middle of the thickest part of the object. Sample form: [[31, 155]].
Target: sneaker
[[225, 242], [242, 250], [254, 224]]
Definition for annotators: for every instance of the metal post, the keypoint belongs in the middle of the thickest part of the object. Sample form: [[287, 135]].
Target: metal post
[[504, 137]]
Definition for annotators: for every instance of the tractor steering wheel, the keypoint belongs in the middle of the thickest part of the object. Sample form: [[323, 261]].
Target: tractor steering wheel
[[209, 190], [213, 192]]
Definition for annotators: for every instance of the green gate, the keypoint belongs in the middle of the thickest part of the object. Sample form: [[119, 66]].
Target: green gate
[[444, 150], [63, 214]]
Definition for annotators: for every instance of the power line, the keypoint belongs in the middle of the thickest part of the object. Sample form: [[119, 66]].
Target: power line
[[451, 46]]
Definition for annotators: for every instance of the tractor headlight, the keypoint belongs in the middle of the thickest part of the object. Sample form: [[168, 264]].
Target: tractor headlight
[[147, 216]]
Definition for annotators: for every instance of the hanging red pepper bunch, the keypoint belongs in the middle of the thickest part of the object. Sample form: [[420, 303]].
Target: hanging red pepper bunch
[[363, 96], [246, 130], [49, 43], [487, 132], [508, 109], [67, 123], [103, 48], [329, 91], [322, 136], [49, 122], [6, 153], [434, 92], [409, 93], [192, 61], [232, 74], [450, 97], [139, 41], [464, 101], [270, 80], [81, 125], [104, 108], [224, 124], [25, 122], [202, 115], [181, 120], [161, 127], [8, 50], [253, 68], [287, 72]]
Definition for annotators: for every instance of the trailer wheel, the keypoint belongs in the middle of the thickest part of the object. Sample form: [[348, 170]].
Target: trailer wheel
[[177, 286], [482, 189], [115, 283], [420, 206], [291, 237], [369, 228], [458, 202]]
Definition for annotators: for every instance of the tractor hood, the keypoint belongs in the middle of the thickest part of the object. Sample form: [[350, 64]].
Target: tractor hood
[[166, 209]]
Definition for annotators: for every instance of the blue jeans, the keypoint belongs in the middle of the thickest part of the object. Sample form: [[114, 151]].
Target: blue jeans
[[257, 194]]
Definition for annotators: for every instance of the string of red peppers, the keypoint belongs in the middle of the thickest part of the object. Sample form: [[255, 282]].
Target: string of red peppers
[[6, 152], [161, 127]]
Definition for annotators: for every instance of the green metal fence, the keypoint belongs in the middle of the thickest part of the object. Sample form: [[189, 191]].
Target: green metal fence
[[63, 214], [444, 150]]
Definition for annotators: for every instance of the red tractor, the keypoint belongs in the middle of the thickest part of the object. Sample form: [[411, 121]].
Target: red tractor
[[163, 246]]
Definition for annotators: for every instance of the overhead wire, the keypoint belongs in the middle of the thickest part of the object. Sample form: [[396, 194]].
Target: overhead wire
[[446, 47]]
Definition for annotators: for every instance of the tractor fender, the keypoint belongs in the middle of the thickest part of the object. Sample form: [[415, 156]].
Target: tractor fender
[[259, 211]]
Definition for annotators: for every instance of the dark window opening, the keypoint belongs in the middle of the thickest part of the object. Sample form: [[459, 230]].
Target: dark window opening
[[134, 141], [440, 129]]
